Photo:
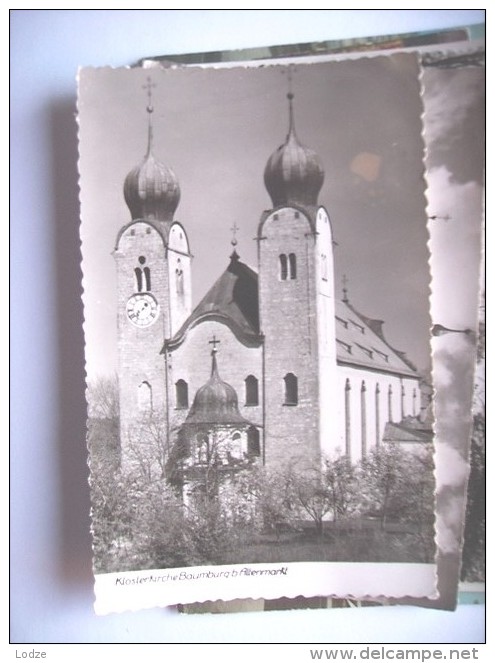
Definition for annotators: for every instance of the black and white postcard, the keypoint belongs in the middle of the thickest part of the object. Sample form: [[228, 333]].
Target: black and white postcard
[[256, 269]]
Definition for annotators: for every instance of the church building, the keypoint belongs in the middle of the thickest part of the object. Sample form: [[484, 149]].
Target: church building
[[272, 363]]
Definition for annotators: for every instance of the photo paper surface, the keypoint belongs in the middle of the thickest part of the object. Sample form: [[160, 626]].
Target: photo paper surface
[[257, 323]]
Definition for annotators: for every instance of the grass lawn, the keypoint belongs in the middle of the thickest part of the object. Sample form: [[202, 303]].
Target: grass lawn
[[361, 544]]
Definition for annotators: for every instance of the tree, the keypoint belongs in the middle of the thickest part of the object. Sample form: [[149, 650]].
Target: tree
[[341, 480], [146, 446], [387, 478], [102, 395], [104, 421]]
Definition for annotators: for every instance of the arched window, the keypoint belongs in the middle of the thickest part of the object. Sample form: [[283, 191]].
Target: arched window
[[363, 419], [181, 394], [147, 278], [292, 266], [348, 418], [253, 440], [252, 396], [202, 449], [377, 414], [144, 397], [138, 272], [283, 266], [291, 395]]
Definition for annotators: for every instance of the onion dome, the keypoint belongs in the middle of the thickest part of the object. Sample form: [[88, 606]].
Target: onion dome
[[293, 174], [215, 402], [151, 189]]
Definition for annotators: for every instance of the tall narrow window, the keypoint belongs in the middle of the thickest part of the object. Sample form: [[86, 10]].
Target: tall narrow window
[[181, 394], [139, 279], [139, 272], [283, 266], [414, 402], [363, 419], [292, 266], [291, 395], [252, 396], [377, 414], [402, 398], [147, 278], [390, 418], [348, 418], [253, 440], [144, 397]]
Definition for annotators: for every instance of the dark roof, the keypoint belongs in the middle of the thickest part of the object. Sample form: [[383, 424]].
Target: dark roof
[[409, 430], [361, 342], [233, 299]]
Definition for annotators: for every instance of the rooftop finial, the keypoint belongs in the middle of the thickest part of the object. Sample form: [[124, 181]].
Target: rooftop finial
[[234, 230], [149, 109], [290, 96], [345, 281], [234, 255]]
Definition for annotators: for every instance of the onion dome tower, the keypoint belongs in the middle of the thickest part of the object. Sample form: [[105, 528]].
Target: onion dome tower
[[216, 402], [151, 189], [293, 174]]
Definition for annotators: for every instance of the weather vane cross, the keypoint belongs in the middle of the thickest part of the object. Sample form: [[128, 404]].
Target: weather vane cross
[[290, 71], [214, 341], [148, 86], [234, 230]]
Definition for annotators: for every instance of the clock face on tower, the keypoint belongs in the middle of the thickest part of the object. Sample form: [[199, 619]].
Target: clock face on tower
[[142, 309]]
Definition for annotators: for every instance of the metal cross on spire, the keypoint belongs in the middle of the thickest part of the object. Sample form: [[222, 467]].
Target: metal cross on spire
[[289, 70], [214, 341], [234, 230], [214, 368], [148, 86]]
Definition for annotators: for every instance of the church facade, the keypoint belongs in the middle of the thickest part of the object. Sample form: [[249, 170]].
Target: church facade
[[296, 372]]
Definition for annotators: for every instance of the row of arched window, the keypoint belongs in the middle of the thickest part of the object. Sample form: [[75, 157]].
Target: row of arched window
[[251, 391], [142, 276], [364, 431]]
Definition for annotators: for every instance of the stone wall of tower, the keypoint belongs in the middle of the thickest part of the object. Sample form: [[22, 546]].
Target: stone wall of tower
[[327, 353], [191, 362], [179, 270], [288, 321], [141, 367]]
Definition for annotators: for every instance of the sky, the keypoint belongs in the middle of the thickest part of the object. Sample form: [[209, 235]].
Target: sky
[[217, 128]]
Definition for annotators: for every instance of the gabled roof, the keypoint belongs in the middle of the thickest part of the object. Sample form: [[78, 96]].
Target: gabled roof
[[233, 299], [361, 343]]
